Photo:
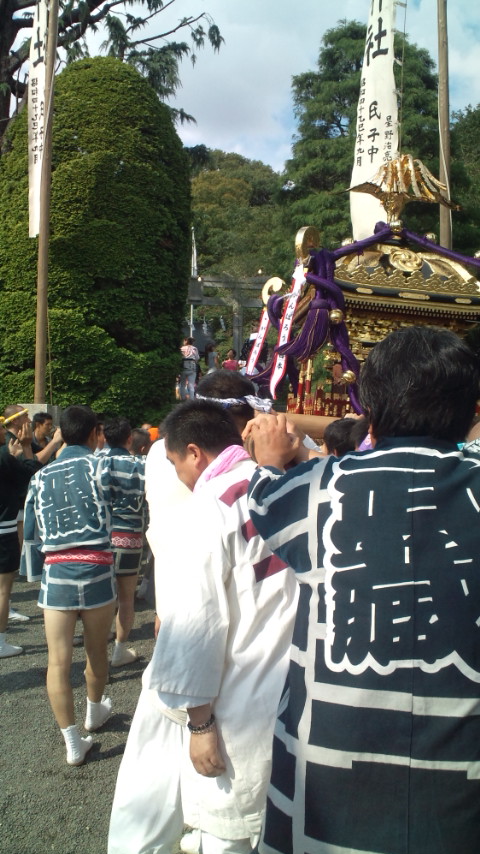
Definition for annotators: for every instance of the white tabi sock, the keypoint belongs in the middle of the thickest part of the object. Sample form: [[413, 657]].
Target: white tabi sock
[[77, 747], [7, 650], [97, 713], [121, 655]]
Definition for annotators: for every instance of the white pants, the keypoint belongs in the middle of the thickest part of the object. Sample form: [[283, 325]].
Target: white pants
[[214, 845], [147, 814], [199, 842]]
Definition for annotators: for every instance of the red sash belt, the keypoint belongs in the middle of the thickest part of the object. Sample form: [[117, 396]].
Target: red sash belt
[[79, 556]]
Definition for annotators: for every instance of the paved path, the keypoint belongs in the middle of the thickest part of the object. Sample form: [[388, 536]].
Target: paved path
[[46, 806]]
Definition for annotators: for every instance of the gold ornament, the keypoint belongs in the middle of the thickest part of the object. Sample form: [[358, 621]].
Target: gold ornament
[[336, 316], [348, 377], [306, 238], [404, 179], [406, 260], [274, 284]]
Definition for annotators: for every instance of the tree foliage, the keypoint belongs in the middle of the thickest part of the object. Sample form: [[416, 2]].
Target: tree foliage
[[156, 54], [464, 139], [119, 246], [325, 103], [235, 213]]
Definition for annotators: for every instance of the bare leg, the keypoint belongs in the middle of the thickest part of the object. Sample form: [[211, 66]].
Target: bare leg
[[20, 533], [6, 584], [96, 628], [59, 629], [126, 586]]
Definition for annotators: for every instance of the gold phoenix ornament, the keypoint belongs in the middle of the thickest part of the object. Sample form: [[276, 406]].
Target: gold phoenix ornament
[[404, 179]]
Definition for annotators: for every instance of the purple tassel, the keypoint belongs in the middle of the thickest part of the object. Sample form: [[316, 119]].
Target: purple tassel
[[275, 310], [313, 335]]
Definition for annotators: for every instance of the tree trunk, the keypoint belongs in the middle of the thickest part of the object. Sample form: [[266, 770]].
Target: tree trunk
[[9, 29]]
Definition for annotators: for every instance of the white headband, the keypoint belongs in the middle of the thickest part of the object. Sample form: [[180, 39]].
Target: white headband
[[262, 404]]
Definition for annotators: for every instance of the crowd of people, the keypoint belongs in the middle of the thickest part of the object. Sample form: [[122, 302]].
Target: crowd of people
[[314, 682], [193, 368]]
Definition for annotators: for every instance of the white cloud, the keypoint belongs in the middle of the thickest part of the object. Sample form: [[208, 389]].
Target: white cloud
[[241, 97]]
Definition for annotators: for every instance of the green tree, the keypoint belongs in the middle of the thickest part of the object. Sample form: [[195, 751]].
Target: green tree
[[119, 247], [465, 162], [325, 103], [235, 214], [156, 55], [237, 230]]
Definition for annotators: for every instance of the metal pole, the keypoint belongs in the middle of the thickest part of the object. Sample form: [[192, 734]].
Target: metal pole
[[237, 320], [444, 121], [44, 229]]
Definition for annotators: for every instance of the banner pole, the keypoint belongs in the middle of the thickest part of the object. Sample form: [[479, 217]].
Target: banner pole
[[44, 229], [444, 122]]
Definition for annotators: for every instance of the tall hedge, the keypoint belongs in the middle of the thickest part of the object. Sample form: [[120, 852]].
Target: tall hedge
[[119, 247]]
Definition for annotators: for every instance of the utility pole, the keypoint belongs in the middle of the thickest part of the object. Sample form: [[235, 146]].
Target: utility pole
[[444, 122], [44, 229]]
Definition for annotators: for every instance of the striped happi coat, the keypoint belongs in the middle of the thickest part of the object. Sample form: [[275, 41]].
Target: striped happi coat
[[377, 742], [69, 504]]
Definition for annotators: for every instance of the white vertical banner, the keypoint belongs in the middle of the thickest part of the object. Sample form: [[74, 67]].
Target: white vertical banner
[[37, 110], [376, 140], [194, 266]]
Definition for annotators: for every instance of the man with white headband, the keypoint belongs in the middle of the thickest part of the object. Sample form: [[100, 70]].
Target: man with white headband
[[158, 787]]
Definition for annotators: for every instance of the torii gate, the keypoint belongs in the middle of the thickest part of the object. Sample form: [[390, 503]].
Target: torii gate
[[236, 302]]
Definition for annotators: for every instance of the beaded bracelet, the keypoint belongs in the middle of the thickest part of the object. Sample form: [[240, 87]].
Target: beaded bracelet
[[208, 726]]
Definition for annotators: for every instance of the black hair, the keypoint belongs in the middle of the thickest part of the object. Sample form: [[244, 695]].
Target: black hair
[[76, 424], [359, 431], [41, 417], [141, 441], [12, 409], [117, 431], [202, 423], [338, 436], [420, 381], [222, 384]]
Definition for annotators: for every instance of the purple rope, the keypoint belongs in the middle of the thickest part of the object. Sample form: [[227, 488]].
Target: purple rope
[[447, 253], [313, 335], [328, 296], [275, 310]]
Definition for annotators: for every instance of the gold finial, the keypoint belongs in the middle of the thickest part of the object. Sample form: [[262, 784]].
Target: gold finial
[[404, 179], [306, 238], [274, 284]]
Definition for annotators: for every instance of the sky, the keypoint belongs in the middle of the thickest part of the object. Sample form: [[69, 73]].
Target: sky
[[241, 97]]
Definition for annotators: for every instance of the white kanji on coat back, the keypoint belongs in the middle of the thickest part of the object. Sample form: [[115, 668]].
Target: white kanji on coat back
[[379, 585]]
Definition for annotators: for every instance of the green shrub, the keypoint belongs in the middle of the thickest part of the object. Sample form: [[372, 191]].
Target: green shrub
[[119, 247]]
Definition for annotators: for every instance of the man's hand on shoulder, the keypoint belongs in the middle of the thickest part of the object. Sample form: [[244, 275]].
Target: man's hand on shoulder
[[269, 442]]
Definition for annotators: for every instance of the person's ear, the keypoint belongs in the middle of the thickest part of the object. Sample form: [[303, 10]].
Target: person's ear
[[92, 439], [198, 457]]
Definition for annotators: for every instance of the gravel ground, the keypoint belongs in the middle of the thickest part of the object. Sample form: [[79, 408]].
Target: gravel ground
[[45, 805]]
